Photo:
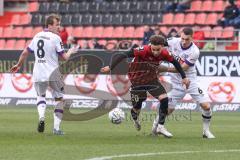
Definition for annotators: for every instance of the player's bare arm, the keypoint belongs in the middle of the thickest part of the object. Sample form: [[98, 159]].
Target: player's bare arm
[[21, 60], [180, 70], [163, 68], [184, 66], [117, 60], [70, 52]]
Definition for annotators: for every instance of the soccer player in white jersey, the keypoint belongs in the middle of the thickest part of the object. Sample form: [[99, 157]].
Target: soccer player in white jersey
[[187, 53], [47, 47]]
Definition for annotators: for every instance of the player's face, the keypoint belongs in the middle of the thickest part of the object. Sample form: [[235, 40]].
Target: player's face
[[156, 49], [56, 26], [186, 40]]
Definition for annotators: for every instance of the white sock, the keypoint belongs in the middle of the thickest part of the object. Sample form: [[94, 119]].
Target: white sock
[[57, 115], [206, 115], [57, 118], [161, 125], [41, 107]]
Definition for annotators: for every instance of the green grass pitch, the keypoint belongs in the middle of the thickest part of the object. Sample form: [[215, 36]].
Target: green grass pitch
[[98, 138]]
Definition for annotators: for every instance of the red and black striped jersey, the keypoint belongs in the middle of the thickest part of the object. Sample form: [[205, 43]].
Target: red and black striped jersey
[[143, 68]]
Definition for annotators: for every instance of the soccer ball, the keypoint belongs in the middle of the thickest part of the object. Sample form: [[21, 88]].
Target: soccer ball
[[116, 116]]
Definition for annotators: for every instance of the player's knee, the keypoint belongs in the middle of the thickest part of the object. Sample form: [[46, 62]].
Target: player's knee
[[205, 106], [162, 96], [58, 99], [41, 101], [59, 105], [207, 114], [137, 104], [170, 110], [41, 98], [42, 95], [137, 98]]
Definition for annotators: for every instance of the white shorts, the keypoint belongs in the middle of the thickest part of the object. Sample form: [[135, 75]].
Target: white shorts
[[178, 92], [57, 88]]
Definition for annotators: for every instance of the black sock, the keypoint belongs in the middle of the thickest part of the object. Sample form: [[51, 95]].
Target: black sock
[[163, 111], [137, 105], [134, 114]]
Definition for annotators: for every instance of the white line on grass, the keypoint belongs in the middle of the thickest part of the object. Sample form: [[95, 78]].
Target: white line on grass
[[161, 153]]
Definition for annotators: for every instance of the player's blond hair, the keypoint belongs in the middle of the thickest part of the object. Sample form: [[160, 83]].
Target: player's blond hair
[[50, 19]]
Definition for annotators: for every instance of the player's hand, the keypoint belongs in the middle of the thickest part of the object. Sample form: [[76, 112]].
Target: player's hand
[[15, 68], [105, 69], [186, 82], [74, 49]]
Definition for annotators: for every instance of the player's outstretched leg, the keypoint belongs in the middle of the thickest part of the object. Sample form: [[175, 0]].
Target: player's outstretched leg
[[137, 97], [206, 117], [41, 107], [155, 125], [57, 115], [135, 116], [158, 124]]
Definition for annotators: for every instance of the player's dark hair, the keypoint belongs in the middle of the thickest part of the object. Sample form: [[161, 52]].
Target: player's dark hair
[[50, 19], [187, 31], [157, 40], [231, 2]]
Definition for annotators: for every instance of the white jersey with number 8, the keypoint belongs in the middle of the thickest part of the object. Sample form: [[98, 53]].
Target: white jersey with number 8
[[46, 47]]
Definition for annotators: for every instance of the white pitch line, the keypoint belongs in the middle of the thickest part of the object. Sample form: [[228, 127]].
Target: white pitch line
[[161, 153]]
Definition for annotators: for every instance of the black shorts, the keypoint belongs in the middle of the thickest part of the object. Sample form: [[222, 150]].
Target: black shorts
[[155, 88]]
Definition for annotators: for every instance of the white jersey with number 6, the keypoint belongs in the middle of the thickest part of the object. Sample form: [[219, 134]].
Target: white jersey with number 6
[[189, 56], [46, 47]]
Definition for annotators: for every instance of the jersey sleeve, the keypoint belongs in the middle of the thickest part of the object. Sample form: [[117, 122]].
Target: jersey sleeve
[[30, 47], [171, 41], [117, 58], [167, 56], [140, 51], [59, 46], [192, 58]]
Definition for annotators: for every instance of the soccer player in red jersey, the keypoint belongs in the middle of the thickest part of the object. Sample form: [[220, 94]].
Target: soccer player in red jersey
[[143, 76]]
